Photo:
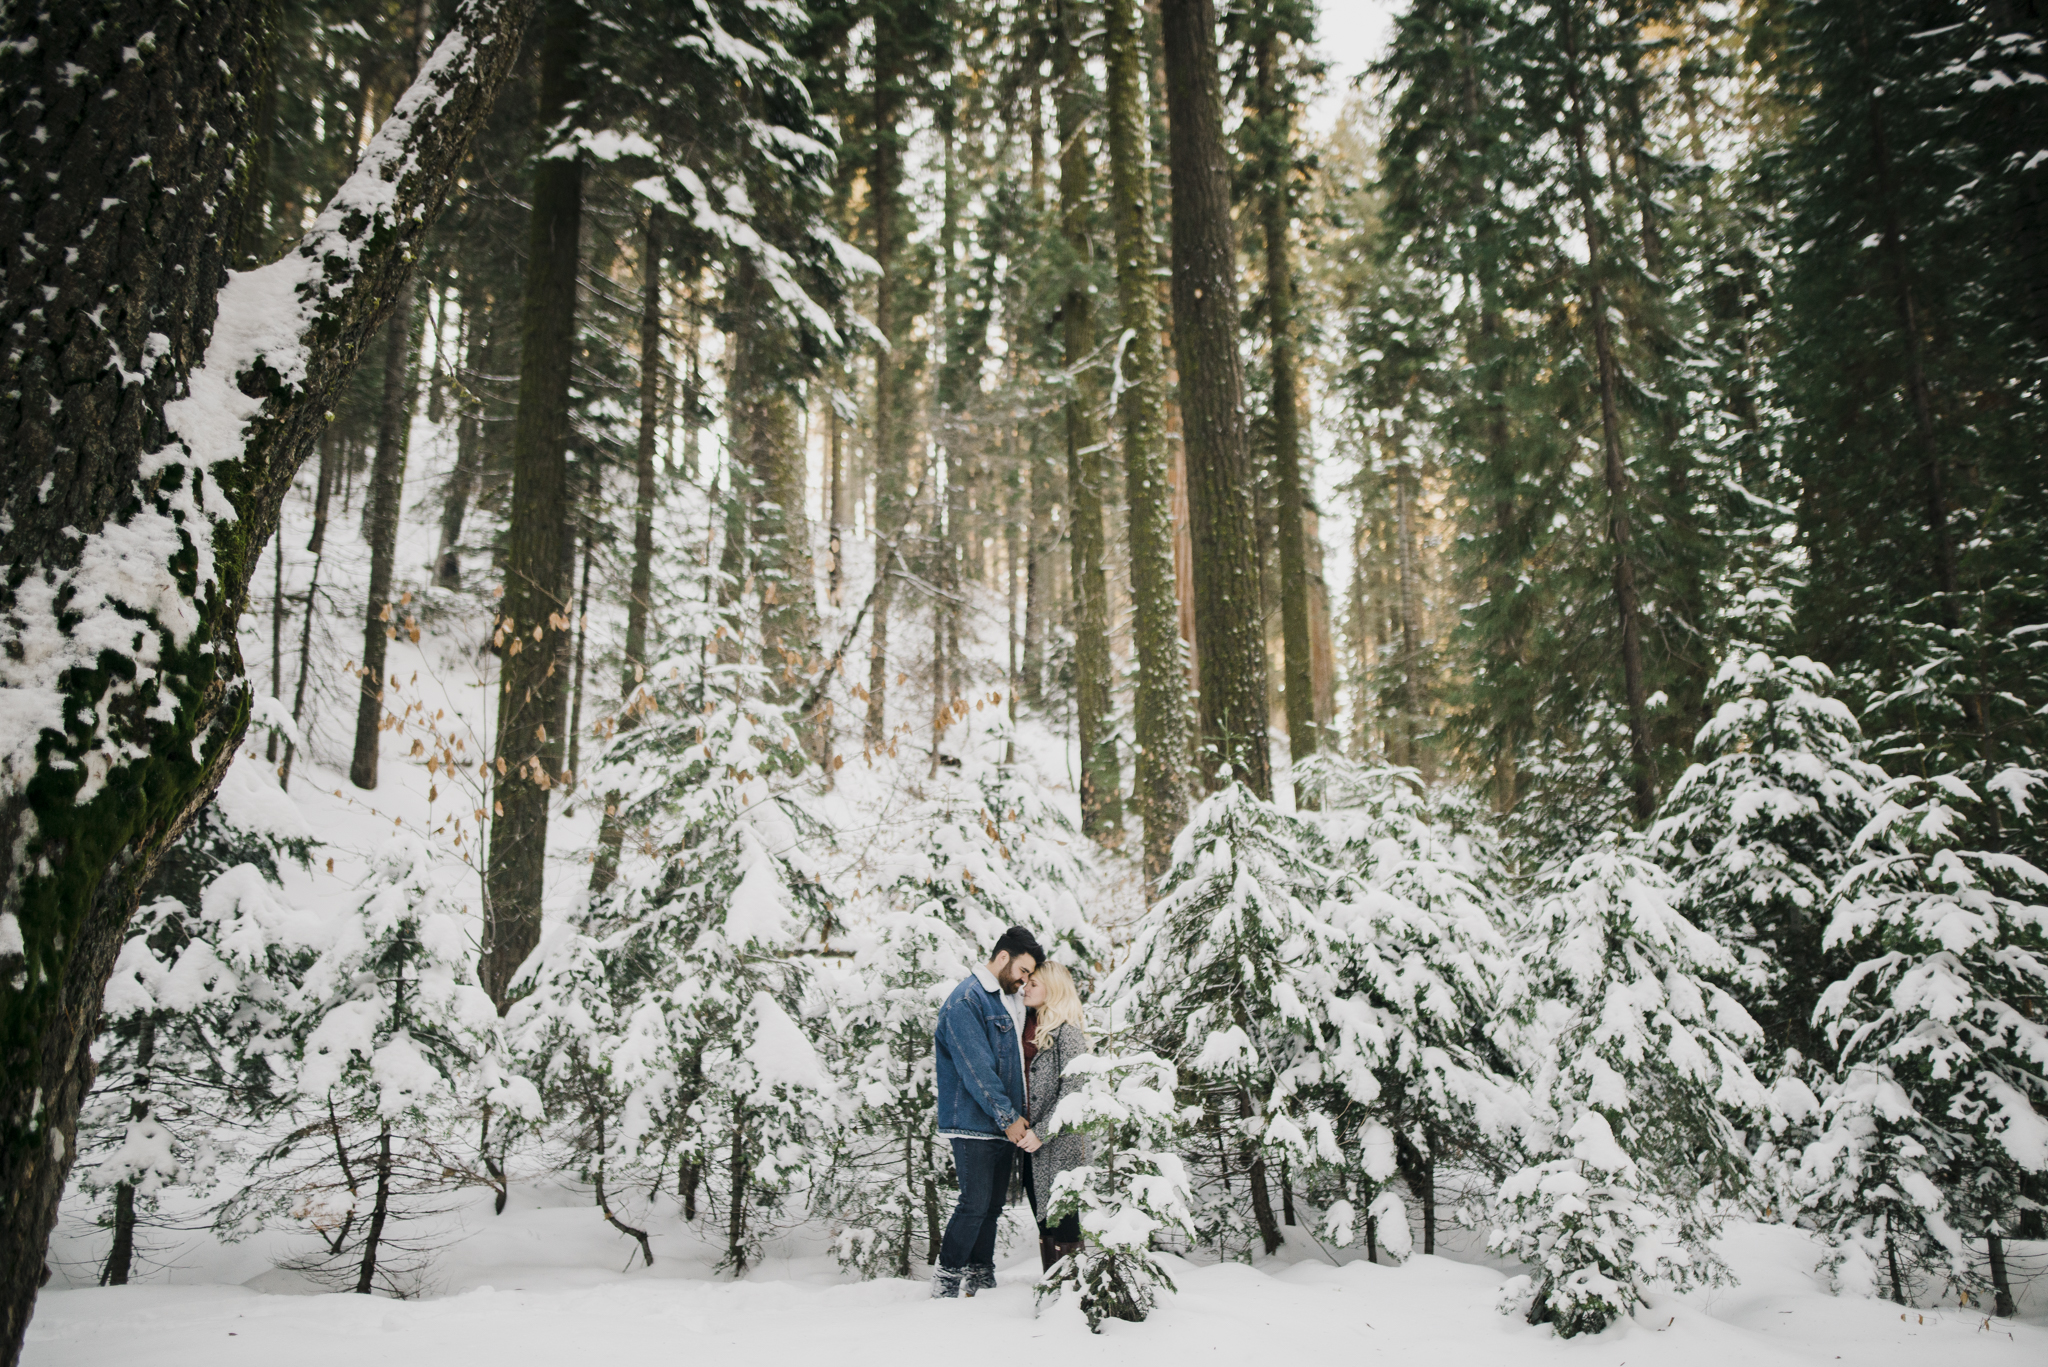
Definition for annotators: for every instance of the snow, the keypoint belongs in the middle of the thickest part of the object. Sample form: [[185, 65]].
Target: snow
[[781, 1053], [543, 1284]]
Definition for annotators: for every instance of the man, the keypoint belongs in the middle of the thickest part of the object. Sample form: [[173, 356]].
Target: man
[[980, 1045]]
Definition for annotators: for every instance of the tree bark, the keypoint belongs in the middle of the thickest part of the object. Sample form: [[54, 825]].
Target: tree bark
[[141, 688], [535, 620], [1643, 775], [1160, 704], [1411, 614], [1276, 213], [1205, 316], [387, 492], [891, 507], [779, 543], [469, 459], [1101, 780], [611, 834]]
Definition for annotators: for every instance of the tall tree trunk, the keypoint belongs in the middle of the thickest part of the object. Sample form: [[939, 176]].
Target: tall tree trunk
[[387, 492], [1411, 608], [779, 538], [1037, 563], [1101, 781], [316, 543], [1897, 264], [891, 505], [1160, 704], [838, 499], [535, 619], [276, 640], [611, 833], [1505, 563], [469, 460], [587, 526], [141, 688], [1205, 317], [1643, 773], [1276, 214]]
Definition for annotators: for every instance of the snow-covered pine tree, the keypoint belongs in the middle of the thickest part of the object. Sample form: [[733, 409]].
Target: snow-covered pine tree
[[1759, 830], [1236, 975], [194, 1009], [1424, 962], [1935, 1122], [1639, 1058], [389, 1030], [1136, 1188], [890, 1189], [660, 1022]]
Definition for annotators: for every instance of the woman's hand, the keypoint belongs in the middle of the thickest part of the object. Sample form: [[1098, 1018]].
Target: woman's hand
[[1030, 1142]]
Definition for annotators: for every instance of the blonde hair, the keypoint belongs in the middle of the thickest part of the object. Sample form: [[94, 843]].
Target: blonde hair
[[1062, 1001]]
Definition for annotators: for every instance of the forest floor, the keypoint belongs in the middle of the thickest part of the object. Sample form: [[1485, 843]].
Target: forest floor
[[548, 1282]]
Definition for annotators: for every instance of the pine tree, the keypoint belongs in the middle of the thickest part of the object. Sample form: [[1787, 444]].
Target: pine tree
[[1941, 1079], [1760, 829], [1639, 1058], [388, 1030], [1425, 964], [1236, 973], [1135, 1189], [195, 1010]]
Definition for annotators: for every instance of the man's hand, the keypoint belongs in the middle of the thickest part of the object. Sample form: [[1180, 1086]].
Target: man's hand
[[1017, 1130]]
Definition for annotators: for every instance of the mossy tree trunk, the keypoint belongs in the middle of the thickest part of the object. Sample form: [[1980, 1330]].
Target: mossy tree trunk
[[1205, 321], [129, 691], [1274, 139], [1159, 789], [1101, 779], [891, 502]]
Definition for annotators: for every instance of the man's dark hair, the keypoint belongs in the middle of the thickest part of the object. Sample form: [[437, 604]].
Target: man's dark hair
[[1017, 940]]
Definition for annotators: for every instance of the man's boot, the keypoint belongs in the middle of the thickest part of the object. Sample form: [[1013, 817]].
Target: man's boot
[[946, 1283], [1048, 1251], [979, 1277]]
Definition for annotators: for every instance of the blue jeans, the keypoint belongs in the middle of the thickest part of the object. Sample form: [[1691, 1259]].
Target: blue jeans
[[983, 1166]]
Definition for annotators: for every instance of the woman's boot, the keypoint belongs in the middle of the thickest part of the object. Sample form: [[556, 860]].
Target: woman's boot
[[1048, 1251]]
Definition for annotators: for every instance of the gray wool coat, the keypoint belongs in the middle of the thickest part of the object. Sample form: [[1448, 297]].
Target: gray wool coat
[[1068, 1148]]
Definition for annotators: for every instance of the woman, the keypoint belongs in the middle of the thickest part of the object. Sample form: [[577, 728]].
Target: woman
[[1052, 1039]]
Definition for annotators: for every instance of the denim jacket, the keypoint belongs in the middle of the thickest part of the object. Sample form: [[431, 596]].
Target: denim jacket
[[980, 1067]]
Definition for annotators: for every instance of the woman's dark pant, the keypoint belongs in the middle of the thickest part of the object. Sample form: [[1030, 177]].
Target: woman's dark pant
[[983, 1166], [1067, 1231]]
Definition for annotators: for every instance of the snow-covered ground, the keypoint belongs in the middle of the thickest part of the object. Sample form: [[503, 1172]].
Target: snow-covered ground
[[548, 1282]]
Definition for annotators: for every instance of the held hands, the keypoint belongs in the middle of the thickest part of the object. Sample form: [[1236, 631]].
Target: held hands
[[1020, 1134]]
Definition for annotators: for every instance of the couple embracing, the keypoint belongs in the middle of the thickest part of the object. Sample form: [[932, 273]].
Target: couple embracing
[[1004, 1037]]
